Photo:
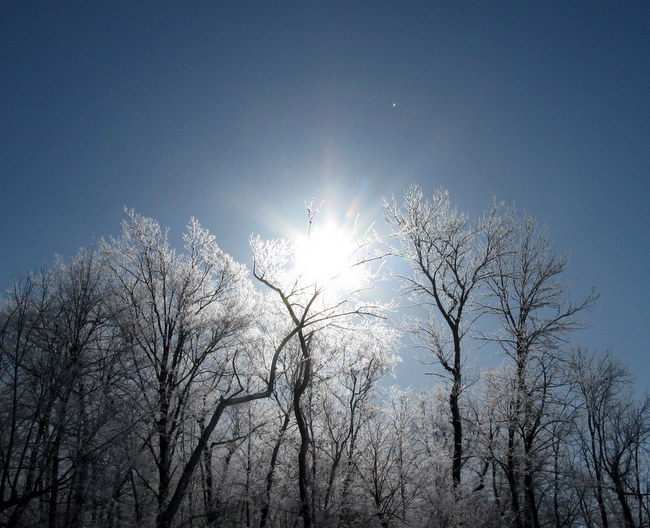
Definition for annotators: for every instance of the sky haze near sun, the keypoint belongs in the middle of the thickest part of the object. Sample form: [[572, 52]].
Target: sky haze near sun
[[239, 112]]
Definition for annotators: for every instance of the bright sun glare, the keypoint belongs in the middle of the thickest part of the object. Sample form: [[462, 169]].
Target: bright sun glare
[[329, 254]]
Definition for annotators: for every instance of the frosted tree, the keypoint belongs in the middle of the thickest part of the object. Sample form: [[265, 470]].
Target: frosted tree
[[362, 357], [389, 465], [450, 257], [613, 432], [182, 317], [60, 380], [531, 302], [318, 287]]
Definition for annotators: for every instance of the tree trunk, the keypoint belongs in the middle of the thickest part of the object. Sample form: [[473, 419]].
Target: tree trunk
[[532, 519], [622, 499], [269, 476], [208, 482], [303, 452], [456, 419], [511, 476], [53, 502]]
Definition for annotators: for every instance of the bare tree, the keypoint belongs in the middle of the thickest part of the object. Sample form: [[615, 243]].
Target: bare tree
[[285, 422], [388, 465], [450, 257], [140, 385], [613, 431], [311, 302], [58, 384], [182, 316], [362, 358], [531, 302]]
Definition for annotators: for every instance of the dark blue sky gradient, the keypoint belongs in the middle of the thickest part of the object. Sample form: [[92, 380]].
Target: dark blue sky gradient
[[238, 112]]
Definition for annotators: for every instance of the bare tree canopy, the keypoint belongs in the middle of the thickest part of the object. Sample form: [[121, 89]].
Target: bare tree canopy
[[142, 385]]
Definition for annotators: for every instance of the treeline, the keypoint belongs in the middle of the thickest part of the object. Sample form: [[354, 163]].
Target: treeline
[[143, 386]]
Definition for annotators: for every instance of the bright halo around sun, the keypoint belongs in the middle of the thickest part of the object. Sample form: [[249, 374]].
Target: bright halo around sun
[[330, 255]]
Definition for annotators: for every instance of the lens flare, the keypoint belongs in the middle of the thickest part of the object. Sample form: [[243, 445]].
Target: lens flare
[[329, 255]]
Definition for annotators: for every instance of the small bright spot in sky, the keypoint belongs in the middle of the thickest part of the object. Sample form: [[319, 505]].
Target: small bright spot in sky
[[394, 105]]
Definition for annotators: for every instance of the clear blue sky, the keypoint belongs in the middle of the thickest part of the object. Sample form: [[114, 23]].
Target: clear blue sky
[[237, 112]]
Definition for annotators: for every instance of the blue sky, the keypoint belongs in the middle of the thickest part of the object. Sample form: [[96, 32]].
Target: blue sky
[[238, 112]]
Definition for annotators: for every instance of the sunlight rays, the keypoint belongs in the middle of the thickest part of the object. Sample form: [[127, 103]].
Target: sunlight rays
[[329, 255]]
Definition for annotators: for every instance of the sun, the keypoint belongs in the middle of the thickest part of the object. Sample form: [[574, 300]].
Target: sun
[[330, 255]]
